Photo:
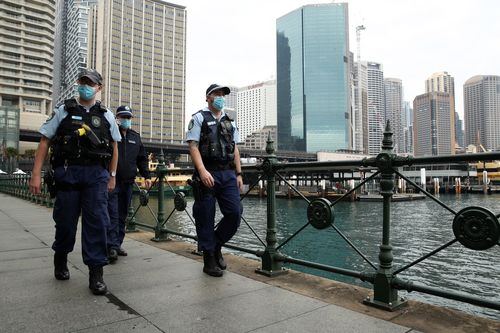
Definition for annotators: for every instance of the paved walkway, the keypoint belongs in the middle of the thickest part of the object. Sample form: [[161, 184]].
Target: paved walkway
[[151, 290]]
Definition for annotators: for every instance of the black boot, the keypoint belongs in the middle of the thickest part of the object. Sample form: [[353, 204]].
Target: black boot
[[219, 259], [61, 271], [96, 283], [210, 266]]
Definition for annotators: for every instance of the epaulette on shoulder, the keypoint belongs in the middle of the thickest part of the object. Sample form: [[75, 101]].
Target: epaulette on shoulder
[[133, 131], [101, 107], [70, 103]]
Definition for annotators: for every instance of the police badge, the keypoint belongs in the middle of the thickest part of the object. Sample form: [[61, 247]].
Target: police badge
[[96, 121]]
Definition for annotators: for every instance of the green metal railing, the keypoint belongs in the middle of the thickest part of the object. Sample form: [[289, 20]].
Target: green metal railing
[[475, 228], [18, 185]]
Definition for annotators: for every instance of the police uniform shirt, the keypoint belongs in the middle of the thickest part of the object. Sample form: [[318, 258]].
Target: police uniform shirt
[[194, 128], [49, 128]]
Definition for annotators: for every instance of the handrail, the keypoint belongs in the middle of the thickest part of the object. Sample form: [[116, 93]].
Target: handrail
[[474, 227]]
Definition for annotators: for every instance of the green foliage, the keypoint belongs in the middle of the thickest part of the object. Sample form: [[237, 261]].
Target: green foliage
[[11, 152], [30, 153]]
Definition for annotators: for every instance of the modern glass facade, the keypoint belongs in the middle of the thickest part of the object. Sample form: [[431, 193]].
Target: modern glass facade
[[313, 81]]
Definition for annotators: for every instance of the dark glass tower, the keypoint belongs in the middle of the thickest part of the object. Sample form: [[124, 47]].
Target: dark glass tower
[[313, 79]]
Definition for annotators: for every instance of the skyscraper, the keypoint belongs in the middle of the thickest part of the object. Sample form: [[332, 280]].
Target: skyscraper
[[256, 107], [443, 82], [432, 125], [360, 107], [376, 107], [313, 78], [482, 111], [140, 49], [459, 131], [70, 46], [408, 127], [393, 96], [26, 60]]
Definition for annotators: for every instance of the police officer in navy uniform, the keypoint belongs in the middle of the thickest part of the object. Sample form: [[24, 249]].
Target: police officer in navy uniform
[[131, 156], [212, 139], [83, 137]]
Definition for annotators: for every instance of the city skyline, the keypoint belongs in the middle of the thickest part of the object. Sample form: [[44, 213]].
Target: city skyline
[[239, 48]]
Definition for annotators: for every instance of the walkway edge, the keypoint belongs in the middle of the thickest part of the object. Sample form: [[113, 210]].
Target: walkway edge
[[417, 315]]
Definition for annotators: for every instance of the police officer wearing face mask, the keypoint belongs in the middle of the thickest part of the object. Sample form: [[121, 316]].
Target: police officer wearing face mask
[[83, 136], [212, 138], [131, 156]]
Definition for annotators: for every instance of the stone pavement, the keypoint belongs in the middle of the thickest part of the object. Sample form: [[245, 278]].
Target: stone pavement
[[151, 290]]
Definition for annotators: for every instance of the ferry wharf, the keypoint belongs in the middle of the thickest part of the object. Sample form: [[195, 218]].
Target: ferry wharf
[[160, 287]]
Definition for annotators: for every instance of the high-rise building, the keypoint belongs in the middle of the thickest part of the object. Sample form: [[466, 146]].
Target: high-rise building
[[440, 82], [376, 107], [258, 139], [443, 82], [393, 96], [232, 98], [482, 111], [408, 127], [26, 60], [459, 131], [256, 107], [313, 78], [70, 46], [432, 125], [360, 107], [140, 49]]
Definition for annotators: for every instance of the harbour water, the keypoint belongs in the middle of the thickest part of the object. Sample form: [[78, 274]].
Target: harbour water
[[417, 227]]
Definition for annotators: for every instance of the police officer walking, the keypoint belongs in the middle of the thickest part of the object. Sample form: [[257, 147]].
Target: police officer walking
[[83, 137], [131, 156], [212, 138]]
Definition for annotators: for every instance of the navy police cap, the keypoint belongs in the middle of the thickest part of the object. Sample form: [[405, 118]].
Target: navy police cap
[[124, 111], [213, 87]]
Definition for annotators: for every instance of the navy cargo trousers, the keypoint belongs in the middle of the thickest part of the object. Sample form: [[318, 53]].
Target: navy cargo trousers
[[226, 193], [82, 190]]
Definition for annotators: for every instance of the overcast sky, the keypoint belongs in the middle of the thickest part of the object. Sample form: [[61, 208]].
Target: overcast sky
[[233, 42]]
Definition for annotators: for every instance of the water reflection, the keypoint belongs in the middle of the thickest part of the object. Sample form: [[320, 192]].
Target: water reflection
[[417, 228]]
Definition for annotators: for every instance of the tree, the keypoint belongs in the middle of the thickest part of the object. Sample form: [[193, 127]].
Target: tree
[[29, 153], [11, 152]]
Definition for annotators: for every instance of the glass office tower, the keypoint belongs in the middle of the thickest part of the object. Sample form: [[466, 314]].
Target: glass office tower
[[313, 81]]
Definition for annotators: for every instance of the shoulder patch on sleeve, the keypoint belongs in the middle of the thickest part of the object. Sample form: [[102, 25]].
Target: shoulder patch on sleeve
[[51, 116], [191, 124]]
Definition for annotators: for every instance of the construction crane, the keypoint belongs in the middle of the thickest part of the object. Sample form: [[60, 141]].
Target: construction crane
[[359, 28]]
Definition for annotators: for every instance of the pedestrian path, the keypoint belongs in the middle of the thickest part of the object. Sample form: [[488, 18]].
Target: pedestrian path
[[151, 290]]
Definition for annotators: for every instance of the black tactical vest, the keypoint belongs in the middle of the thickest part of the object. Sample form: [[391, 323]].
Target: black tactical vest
[[69, 147], [216, 140]]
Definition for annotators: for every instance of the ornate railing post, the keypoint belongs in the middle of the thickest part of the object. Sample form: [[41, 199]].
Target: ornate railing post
[[161, 172], [384, 295], [271, 266]]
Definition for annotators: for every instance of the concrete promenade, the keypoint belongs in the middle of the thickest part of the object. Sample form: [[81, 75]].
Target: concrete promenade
[[155, 290]]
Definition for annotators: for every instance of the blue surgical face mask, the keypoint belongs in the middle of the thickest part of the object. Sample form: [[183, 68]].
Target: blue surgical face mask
[[125, 123], [86, 92], [218, 102]]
